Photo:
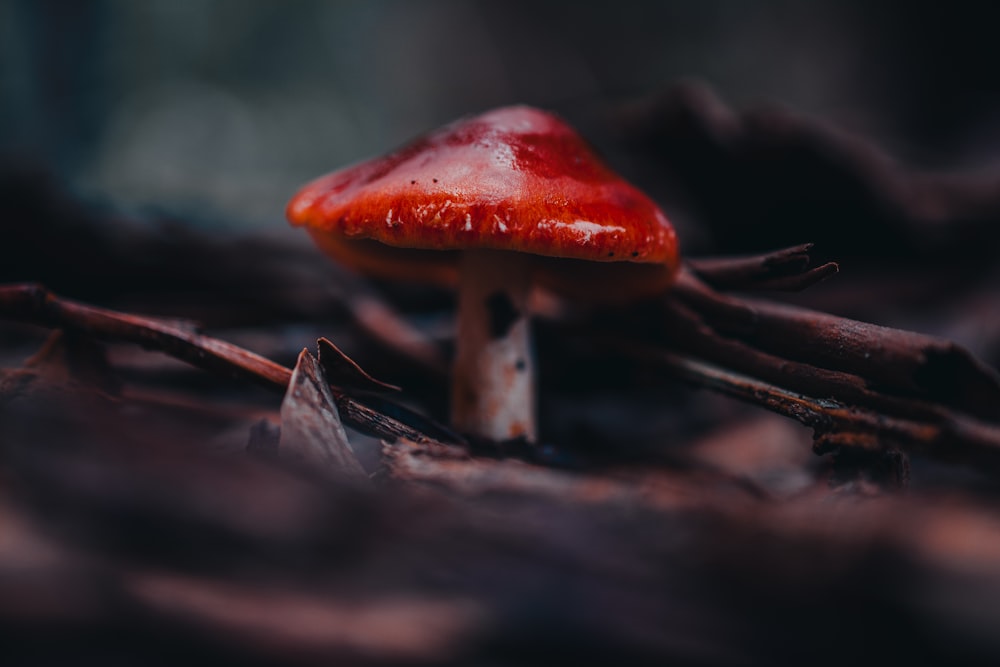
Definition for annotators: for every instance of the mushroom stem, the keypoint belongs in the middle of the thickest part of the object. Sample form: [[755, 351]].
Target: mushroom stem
[[493, 378]]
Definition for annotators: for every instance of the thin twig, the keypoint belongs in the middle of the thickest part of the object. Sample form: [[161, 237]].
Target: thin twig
[[782, 270], [894, 361], [952, 436], [34, 304]]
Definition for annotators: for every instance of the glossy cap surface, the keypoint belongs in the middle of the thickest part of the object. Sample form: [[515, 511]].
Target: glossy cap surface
[[516, 179]]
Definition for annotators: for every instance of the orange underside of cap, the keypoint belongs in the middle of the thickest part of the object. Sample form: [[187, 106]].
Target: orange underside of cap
[[582, 279], [514, 179]]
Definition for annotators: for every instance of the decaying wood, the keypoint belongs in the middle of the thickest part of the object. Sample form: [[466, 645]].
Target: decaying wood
[[250, 563], [453, 468], [888, 359], [34, 304], [856, 384], [782, 270], [837, 424], [132, 512]]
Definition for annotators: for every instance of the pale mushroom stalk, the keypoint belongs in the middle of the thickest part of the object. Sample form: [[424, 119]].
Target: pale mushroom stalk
[[493, 377]]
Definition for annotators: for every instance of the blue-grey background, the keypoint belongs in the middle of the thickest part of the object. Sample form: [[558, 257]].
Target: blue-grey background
[[226, 106]]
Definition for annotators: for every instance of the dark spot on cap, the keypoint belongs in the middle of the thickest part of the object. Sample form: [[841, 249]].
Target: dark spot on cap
[[520, 365], [435, 180], [413, 182], [611, 254], [635, 254], [502, 314]]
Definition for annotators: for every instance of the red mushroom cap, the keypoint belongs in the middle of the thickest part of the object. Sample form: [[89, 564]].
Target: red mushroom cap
[[516, 179]]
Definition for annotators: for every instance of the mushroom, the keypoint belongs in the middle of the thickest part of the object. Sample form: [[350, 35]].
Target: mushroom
[[496, 203]]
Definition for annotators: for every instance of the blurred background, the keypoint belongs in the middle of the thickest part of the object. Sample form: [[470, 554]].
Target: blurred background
[[147, 150], [226, 106]]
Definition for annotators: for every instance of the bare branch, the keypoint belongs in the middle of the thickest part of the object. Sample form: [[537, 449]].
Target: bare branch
[[894, 361], [34, 304], [782, 270]]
